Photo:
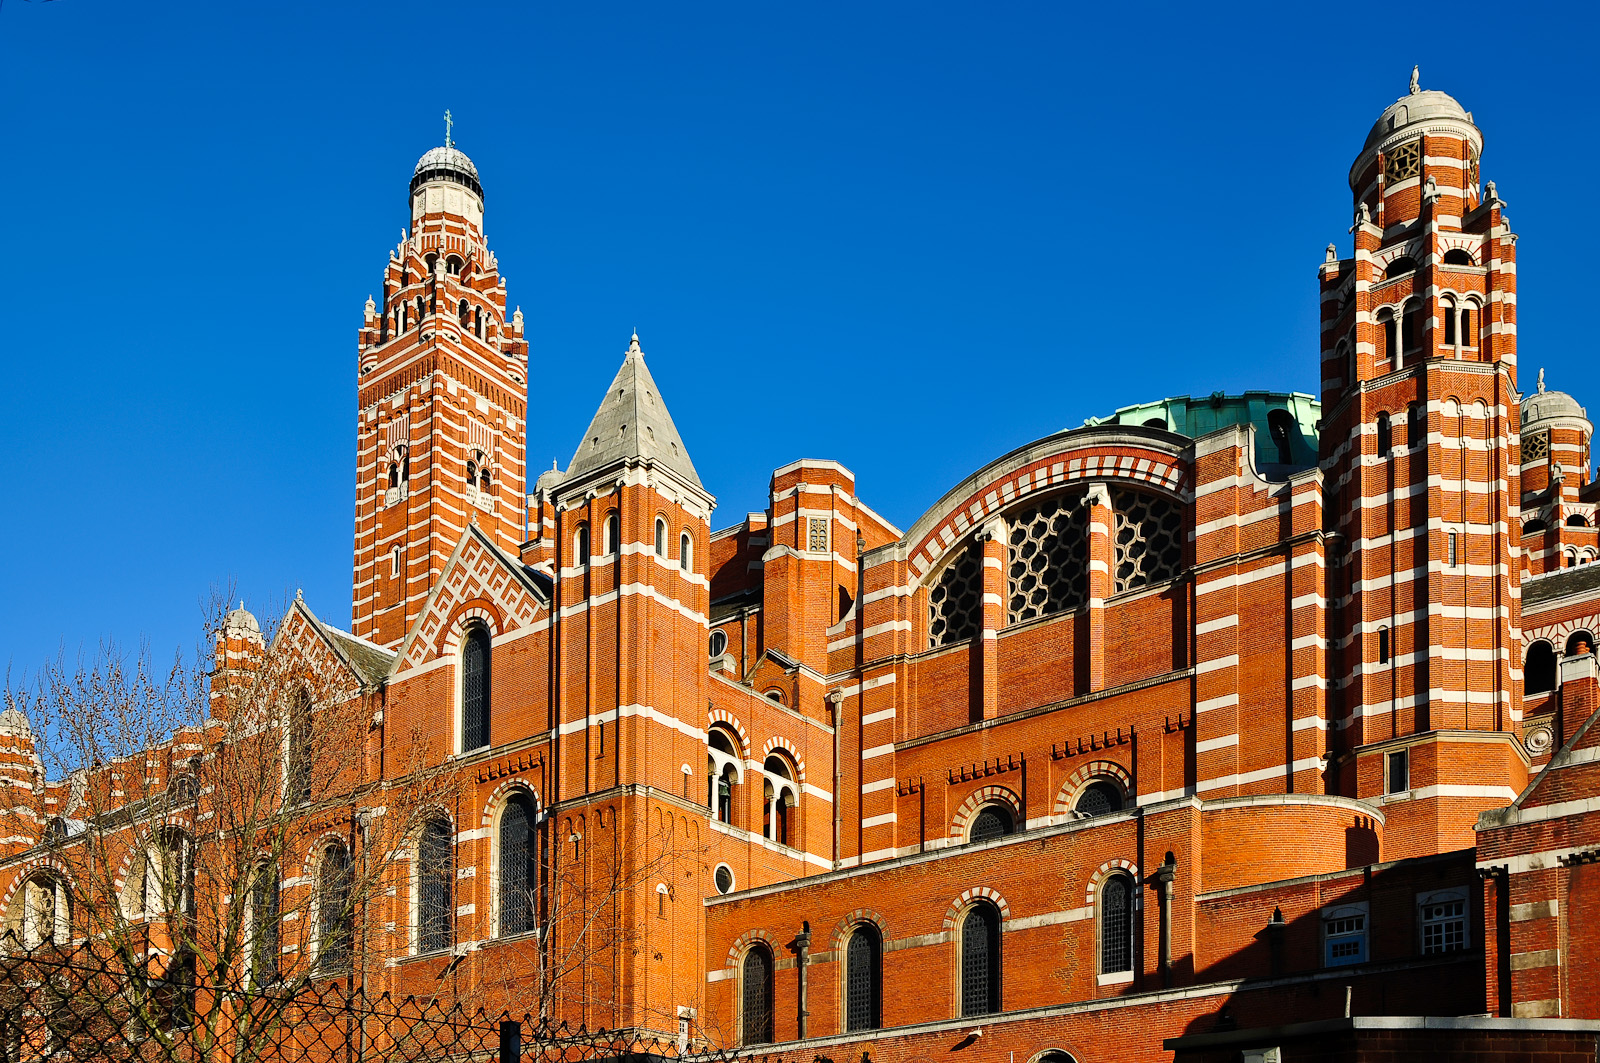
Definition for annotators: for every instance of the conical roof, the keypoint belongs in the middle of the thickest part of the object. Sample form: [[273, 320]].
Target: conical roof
[[632, 422]]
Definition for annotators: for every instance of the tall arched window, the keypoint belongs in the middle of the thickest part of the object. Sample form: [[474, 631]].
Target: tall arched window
[[1388, 329], [755, 1018], [518, 874], [1411, 328], [686, 552], [299, 750], [613, 532], [780, 796], [661, 537], [40, 914], [263, 915], [162, 883], [580, 544], [1279, 424], [335, 912], [436, 875], [722, 760], [1539, 669], [475, 689], [980, 961], [1385, 435], [863, 979], [1116, 925], [462, 312]]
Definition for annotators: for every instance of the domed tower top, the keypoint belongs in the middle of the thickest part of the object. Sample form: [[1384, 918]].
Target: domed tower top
[[1424, 135], [445, 182]]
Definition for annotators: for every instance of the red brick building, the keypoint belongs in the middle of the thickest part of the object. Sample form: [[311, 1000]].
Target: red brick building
[[1208, 718]]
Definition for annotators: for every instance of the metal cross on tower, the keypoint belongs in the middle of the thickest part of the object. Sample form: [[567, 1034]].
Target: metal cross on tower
[[448, 122]]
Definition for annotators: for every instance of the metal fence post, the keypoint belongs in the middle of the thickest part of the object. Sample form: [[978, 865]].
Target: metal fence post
[[510, 1041]]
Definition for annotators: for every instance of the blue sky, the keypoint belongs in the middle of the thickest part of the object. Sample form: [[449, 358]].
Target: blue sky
[[906, 237]]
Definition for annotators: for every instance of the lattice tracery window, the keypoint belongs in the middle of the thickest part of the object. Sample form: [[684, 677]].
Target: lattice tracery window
[[817, 535], [1047, 559], [1148, 539], [1535, 447], [955, 601], [1403, 161]]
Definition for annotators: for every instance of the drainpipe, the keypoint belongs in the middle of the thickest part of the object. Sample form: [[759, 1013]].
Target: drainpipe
[[836, 696], [802, 950], [1164, 876]]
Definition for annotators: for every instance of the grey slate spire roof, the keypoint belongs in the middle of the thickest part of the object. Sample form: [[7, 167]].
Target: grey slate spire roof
[[632, 422]]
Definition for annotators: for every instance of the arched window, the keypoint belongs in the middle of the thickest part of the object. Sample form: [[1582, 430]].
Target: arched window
[[992, 821], [613, 532], [518, 873], [300, 750], [1539, 669], [1385, 435], [1447, 311], [863, 979], [1047, 558], [1116, 924], [661, 537], [980, 961], [1279, 425], [394, 474], [162, 882], [475, 689], [1416, 425], [436, 873], [431, 259], [1533, 527], [580, 544], [394, 562], [1155, 422], [263, 915], [722, 771], [41, 914], [419, 310], [452, 266], [1147, 539], [755, 1011], [462, 311], [1411, 328], [1383, 645], [1457, 257], [1387, 329], [686, 552], [1579, 643], [335, 912], [404, 456], [1400, 266], [477, 321], [780, 798], [1577, 520], [955, 600], [1099, 798]]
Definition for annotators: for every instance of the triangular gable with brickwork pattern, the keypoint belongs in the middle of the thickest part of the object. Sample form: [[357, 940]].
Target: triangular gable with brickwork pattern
[[515, 595]]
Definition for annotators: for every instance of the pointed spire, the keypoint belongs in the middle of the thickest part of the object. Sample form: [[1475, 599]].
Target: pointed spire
[[633, 422]]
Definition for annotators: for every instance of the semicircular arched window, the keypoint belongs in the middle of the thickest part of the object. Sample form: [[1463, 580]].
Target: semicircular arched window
[[992, 821], [980, 961], [1116, 925], [1147, 538], [1099, 798], [755, 1003], [1539, 669], [518, 876], [1047, 558], [475, 689], [863, 979], [955, 600]]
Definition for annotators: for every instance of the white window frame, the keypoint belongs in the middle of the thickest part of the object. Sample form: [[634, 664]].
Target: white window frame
[[1434, 898], [1343, 923]]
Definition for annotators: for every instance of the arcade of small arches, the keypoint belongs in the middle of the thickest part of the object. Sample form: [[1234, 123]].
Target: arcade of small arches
[[1047, 560], [977, 961], [611, 541], [1540, 662], [399, 313]]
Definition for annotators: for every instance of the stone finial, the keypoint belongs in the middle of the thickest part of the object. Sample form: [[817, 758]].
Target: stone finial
[[298, 595], [1541, 380], [1363, 213], [1332, 254], [633, 344], [1430, 189], [1415, 84], [371, 308]]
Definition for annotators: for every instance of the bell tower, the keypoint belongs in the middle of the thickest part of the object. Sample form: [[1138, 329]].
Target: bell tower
[[1419, 363], [442, 378]]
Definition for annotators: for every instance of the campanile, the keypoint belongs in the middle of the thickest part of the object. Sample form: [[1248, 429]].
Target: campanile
[[442, 377]]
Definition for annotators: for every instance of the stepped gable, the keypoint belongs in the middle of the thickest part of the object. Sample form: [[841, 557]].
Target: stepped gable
[[633, 423]]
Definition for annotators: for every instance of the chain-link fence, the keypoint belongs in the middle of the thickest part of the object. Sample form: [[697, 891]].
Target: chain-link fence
[[61, 1005]]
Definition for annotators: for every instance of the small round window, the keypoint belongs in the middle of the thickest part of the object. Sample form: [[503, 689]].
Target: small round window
[[719, 643], [724, 878]]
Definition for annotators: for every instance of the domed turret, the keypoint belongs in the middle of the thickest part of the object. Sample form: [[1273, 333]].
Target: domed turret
[[1422, 107], [1555, 443], [448, 163], [445, 185], [1423, 147]]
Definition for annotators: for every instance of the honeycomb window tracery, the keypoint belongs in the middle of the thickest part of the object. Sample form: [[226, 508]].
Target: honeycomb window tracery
[[1047, 557], [1535, 447], [1148, 539], [1404, 161], [955, 600]]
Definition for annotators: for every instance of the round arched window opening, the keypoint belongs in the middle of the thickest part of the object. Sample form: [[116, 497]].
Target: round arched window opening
[[718, 644], [724, 878], [992, 821], [1099, 798]]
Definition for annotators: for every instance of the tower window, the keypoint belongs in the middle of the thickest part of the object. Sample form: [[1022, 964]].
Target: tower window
[[1410, 333], [1390, 336], [1383, 645], [685, 552], [461, 312], [661, 537], [1467, 339], [1457, 257], [1385, 434], [1539, 669], [1398, 771], [1416, 425], [580, 544], [1278, 427], [1400, 267], [613, 532], [1451, 557], [453, 266], [394, 562], [1448, 312]]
